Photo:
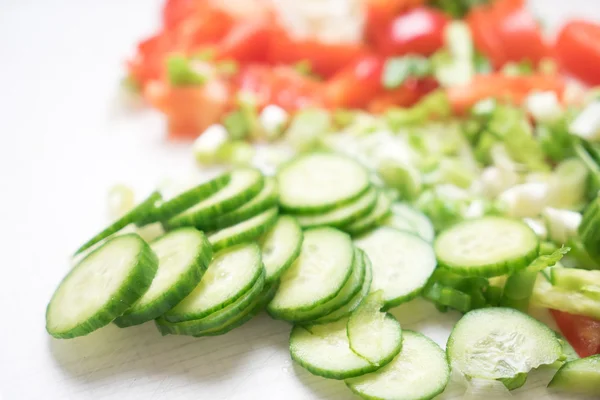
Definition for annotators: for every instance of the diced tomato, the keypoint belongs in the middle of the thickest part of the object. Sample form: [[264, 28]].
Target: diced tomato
[[207, 25], [505, 31], [419, 30], [175, 11], [356, 85], [578, 49], [325, 59], [281, 85], [513, 89], [406, 95], [381, 12], [189, 110], [148, 62], [583, 333], [246, 42]]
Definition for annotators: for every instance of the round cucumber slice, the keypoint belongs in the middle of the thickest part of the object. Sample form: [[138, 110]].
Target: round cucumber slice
[[320, 182], [231, 273], [281, 247], [343, 215], [406, 218], [402, 263], [101, 287], [373, 218], [580, 376], [183, 256], [243, 185], [493, 343], [317, 276], [488, 246], [419, 372], [244, 231]]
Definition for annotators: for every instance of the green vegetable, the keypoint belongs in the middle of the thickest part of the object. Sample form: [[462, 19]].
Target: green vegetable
[[524, 67], [181, 73], [307, 127], [399, 69], [457, 8], [236, 152]]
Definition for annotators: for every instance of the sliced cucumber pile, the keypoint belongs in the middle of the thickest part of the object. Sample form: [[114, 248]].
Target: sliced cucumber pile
[[580, 376]]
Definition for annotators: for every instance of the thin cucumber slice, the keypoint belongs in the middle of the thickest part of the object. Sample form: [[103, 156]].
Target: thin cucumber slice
[[580, 376], [169, 208], [136, 215], [317, 276], [243, 185], [252, 310], [370, 329], [488, 246], [320, 182], [347, 309], [419, 372], [324, 350], [407, 218], [183, 256], [216, 319], [343, 215], [245, 231], [264, 200], [281, 247], [101, 287], [493, 343], [350, 289], [402, 263], [231, 273], [373, 218]]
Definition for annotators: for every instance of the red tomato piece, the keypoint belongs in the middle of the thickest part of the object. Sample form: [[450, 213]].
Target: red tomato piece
[[406, 95], [355, 85], [246, 42], [420, 31], [583, 333], [175, 11], [380, 12], [578, 50]]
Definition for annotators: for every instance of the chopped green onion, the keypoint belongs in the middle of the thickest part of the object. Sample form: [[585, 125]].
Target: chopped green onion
[[544, 106], [342, 117], [524, 67], [587, 123], [562, 224], [236, 124], [493, 295], [399, 69], [568, 184], [121, 199], [273, 120], [236, 152], [449, 297], [524, 200], [401, 176], [457, 8], [209, 143], [181, 73], [482, 64], [304, 67], [307, 127]]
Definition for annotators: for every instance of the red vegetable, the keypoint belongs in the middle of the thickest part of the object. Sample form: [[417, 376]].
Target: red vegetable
[[381, 12], [245, 42], [578, 50], [583, 333]]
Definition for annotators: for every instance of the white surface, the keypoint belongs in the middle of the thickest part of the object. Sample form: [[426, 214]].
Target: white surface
[[62, 144]]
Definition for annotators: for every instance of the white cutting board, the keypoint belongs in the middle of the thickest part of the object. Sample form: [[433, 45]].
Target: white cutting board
[[63, 142]]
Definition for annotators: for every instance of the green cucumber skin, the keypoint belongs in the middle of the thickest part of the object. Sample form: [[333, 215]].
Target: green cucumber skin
[[492, 270], [255, 309], [187, 199], [566, 381], [249, 235], [216, 319], [371, 220], [292, 257], [341, 375], [184, 286], [172, 317], [138, 214], [243, 213], [304, 317], [341, 222], [139, 280], [199, 218]]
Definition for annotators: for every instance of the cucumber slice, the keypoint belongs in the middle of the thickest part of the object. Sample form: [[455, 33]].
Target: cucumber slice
[[380, 212], [347, 309], [488, 246], [136, 215], [101, 287], [493, 343], [343, 215], [407, 218], [169, 208], [324, 350], [229, 276], [350, 289], [317, 276], [251, 311], [281, 247], [243, 185], [419, 372], [183, 256], [216, 319], [244, 231], [579, 376], [370, 329], [402, 263], [264, 200], [320, 182]]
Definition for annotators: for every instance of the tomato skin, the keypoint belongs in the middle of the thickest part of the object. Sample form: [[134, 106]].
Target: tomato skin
[[583, 333], [419, 30], [406, 95], [245, 42], [381, 12], [355, 85], [505, 31], [578, 50]]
